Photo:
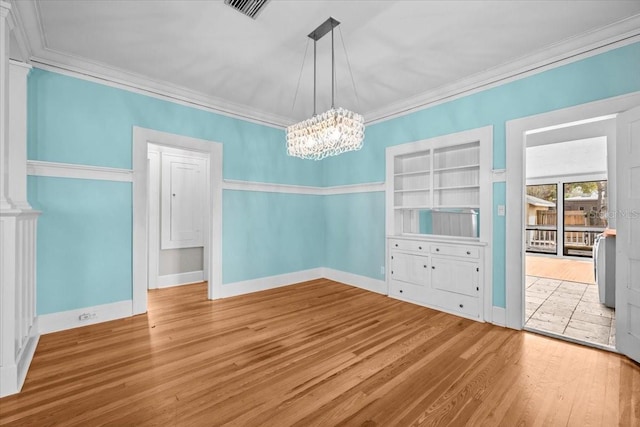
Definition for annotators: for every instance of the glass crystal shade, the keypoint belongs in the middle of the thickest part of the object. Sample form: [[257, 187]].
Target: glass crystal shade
[[328, 134]]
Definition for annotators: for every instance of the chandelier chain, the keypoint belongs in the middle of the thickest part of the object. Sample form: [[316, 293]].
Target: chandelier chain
[[295, 96], [353, 83], [315, 43], [333, 72]]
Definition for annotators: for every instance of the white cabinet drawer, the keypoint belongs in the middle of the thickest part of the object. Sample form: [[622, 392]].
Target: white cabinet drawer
[[459, 251], [408, 245], [456, 303], [407, 291]]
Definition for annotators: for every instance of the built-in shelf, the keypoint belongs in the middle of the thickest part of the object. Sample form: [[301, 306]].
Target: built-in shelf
[[422, 172], [454, 168], [457, 187], [412, 190], [446, 174], [465, 206]]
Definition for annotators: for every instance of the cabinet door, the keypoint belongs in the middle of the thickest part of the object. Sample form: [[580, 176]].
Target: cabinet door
[[454, 275], [182, 196], [409, 268]]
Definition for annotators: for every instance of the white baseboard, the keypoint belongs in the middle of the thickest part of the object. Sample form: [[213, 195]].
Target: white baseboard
[[178, 279], [12, 376], [63, 320], [364, 282], [499, 316], [270, 282]]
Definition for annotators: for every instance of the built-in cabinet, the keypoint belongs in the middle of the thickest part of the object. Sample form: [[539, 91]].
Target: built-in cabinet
[[438, 197], [445, 276]]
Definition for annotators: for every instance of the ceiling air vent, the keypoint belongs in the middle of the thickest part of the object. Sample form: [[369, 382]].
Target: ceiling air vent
[[251, 8]]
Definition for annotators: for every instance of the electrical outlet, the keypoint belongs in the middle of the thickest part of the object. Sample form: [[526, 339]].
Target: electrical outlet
[[382, 270], [86, 316]]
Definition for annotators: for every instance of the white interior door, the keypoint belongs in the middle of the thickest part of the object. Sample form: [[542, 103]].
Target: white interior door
[[628, 234]]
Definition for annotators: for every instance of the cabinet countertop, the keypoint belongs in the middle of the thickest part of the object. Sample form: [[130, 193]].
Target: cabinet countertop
[[438, 239]]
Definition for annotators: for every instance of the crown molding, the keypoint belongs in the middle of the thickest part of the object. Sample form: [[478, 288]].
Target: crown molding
[[598, 41], [6, 13], [20, 64], [34, 38], [113, 77], [46, 58], [20, 37]]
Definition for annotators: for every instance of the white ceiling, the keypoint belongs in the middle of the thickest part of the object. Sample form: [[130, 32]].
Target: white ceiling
[[568, 158], [403, 54]]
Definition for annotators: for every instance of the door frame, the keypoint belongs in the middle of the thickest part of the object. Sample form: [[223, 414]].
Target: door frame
[[154, 156], [141, 139], [516, 131]]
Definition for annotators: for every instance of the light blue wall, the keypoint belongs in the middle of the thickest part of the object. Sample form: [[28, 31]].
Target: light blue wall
[[84, 235], [84, 242], [351, 245], [77, 121], [270, 233], [602, 76], [85, 232]]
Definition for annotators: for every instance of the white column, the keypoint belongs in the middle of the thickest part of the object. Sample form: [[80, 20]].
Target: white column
[[18, 320], [6, 24], [17, 167]]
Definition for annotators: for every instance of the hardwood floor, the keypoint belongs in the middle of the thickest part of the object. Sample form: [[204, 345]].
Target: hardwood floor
[[571, 270], [317, 353]]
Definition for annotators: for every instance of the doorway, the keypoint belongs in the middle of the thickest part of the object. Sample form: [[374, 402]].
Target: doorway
[[627, 117], [177, 216], [566, 210], [212, 223]]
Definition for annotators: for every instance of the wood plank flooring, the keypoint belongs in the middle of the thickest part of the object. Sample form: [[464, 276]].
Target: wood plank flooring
[[317, 353], [571, 270]]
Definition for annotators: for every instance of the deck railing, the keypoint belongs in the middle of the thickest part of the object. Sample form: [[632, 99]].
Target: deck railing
[[578, 240]]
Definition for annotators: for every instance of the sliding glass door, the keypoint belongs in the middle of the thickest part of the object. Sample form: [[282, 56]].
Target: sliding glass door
[[580, 217], [585, 215], [542, 219]]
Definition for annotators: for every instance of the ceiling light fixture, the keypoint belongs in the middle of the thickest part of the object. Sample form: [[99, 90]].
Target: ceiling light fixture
[[333, 132]]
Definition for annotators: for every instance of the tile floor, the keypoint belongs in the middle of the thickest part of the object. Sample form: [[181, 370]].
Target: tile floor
[[569, 308]]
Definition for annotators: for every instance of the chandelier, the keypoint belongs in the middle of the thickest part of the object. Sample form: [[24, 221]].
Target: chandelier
[[333, 132]]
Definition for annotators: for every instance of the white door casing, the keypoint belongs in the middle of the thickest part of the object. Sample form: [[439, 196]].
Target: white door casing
[[628, 235], [153, 225]]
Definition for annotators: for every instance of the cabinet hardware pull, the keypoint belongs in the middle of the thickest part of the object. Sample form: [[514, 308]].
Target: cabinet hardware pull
[[477, 288], [391, 257], [400, 290], [461, 305], [468, 253], [425, 266], [420, 247], [477, 268], [396, 245], [433, 267], [391, 271], [437, 249]]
